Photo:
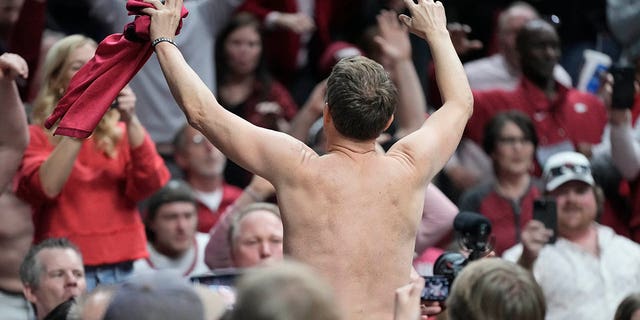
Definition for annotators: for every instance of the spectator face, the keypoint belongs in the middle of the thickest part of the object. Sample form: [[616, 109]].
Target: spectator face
[[577, 207], [76, 59], [258, 239], [174, 227], [61, 277], [242, 49], [514, 152], [200, 157], [513, 22], [9, 12], [540, 51]]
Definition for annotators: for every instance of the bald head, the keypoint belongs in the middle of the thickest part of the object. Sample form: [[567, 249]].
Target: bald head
[[538, 46]]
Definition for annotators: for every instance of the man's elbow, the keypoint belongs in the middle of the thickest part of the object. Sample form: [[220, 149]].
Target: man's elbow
[[467, 103], [195, 116]]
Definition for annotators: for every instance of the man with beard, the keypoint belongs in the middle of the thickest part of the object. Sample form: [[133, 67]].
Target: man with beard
[[589, 270], [52, 274], [565, 118]]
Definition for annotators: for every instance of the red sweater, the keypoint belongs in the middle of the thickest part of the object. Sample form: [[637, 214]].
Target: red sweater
[[207, 218], [97, 207]]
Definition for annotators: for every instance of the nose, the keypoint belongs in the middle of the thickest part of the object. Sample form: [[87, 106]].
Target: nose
[[551, 51], [71, 279], [182, 223], [265, 250]]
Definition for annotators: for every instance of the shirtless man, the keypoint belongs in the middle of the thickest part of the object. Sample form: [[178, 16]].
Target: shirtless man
[[352, 213]]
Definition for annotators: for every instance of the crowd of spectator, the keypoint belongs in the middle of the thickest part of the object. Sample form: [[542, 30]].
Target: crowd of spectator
[[313, 154]]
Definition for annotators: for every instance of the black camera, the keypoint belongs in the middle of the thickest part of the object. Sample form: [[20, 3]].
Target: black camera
[[473, 232]]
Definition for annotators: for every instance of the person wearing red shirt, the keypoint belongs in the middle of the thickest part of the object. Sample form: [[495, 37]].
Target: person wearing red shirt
[[564, 118], [87, 190], [203, 165], [507, 199]]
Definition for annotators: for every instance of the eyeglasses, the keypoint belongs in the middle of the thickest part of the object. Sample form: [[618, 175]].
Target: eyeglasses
[[569, 168], [513, 140], [198, 139]]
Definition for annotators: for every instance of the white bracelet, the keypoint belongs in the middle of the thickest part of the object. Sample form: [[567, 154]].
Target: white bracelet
[[155, 42]]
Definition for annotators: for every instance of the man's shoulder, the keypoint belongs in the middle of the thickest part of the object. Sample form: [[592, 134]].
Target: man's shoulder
[[574, 94]]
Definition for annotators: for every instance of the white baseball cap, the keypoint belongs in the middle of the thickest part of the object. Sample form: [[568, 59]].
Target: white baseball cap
[[567, 166]]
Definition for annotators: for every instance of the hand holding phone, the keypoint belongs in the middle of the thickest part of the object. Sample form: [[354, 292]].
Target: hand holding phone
[[544, 210], [623, 91]]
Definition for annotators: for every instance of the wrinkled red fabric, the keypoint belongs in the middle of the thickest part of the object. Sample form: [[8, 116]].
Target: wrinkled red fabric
[[94, 87]]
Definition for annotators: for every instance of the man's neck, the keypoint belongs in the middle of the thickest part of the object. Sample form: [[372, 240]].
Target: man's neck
[[351, 147], [587, 239], [205, 184], [172, 255], [336, 142], [512, 186], [547, 85]]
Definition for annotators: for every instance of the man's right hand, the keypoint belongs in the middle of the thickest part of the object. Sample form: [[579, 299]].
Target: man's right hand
[[534, 237], [427, 18], [165, 18], [295, 22], [13, 66]]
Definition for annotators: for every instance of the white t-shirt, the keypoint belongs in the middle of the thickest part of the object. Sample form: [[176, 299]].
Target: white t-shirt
[[578, 285], [190, 264]]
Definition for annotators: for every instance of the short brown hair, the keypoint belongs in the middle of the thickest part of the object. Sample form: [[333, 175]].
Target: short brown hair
[[495, 289], [284, 291], [361, 98]]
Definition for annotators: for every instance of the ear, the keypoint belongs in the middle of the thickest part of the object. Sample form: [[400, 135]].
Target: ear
[[389, 123], [326, 115], [181, 160], [29, 293]]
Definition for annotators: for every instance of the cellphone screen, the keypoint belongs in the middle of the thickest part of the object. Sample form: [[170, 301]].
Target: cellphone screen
[[623, 93], [544, 210], [223, 283], [436, 288]]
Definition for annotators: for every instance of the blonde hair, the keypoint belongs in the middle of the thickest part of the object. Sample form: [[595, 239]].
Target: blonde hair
[[107, 134]]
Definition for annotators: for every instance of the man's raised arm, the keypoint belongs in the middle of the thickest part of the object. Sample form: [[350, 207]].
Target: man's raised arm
[[431, 146], [264, 152], [14, 135]]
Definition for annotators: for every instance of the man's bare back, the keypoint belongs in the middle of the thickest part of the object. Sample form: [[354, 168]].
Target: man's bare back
[[354, 218], [352, 213]]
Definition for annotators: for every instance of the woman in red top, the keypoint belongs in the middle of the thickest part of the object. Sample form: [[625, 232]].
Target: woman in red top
[[87, 190], [510, 140]]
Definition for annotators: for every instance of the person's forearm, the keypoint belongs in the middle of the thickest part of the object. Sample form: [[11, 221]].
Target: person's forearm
[[526, 260], [625, 151], [55, 171], [135, 132], [412, 106], [14, 133], [450, 75], [302, 122]]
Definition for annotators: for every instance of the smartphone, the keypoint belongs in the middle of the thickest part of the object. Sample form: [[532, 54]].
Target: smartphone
[[623, 93], [544, 210], [222, 281], [436, 288]]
